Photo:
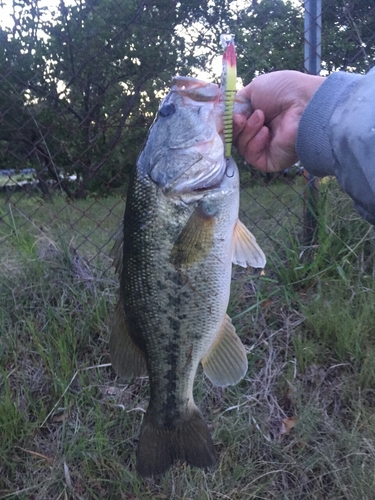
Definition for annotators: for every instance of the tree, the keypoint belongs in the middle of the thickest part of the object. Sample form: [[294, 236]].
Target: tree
[[80, 84], [96, 78], [269, 37], [348, 35]]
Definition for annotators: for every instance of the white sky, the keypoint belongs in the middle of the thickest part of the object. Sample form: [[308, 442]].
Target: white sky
[[6, 10]]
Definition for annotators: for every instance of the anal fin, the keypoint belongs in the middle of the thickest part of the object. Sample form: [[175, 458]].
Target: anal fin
[[226, 362], [246, 250], [126, 358]]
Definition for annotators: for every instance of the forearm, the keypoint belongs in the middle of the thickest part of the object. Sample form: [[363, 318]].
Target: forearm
[[336, 136]]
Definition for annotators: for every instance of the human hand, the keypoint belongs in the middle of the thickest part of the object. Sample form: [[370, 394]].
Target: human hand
[[267, 139]]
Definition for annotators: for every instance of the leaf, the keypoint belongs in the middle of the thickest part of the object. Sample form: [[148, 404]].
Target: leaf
[[68, 480], [287, 425], [61, 417], [37, 455], [112, 391]]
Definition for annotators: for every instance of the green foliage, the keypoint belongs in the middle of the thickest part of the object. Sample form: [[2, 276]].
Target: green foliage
[[350, 331], [347, 38], [269, 36], [86, 90], [333, 280], [338, 244], [80, 83]]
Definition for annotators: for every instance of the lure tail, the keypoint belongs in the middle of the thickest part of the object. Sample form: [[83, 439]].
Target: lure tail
[[228, 88]]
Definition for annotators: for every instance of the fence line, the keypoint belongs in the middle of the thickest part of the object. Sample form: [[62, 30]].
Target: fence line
[[73, 120], [312, 65]]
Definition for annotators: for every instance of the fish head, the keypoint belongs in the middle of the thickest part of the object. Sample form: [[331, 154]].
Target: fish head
[[184, 152]]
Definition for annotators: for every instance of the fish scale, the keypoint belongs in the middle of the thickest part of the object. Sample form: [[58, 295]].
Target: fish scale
[[180, 235], [149, 280]]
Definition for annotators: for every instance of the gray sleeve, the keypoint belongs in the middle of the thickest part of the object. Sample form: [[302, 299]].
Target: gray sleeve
[[336, 136]]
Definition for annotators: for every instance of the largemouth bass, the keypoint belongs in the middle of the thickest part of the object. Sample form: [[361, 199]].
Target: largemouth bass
[[181, 235]]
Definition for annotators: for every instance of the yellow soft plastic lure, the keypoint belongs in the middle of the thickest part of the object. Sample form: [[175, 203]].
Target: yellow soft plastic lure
[[228, 88]]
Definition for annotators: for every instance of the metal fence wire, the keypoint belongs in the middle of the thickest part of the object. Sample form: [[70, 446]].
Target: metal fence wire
[[80, 83]]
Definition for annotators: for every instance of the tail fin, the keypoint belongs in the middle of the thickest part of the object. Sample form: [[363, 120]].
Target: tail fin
[[159, 447]]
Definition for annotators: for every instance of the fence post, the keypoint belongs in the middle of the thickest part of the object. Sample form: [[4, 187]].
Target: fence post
[[312, 65]]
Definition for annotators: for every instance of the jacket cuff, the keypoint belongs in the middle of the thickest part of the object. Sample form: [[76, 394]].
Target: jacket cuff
[[313, 145]]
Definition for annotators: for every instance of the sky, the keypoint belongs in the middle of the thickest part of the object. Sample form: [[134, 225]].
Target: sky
[[6, 10]]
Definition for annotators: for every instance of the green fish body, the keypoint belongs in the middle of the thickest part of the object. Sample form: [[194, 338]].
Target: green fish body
[[181, 235]]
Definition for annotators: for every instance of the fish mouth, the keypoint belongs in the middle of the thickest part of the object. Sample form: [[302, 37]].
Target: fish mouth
[[197, 90], [201, 91], [208, 179], [202, 173], [202, 179]]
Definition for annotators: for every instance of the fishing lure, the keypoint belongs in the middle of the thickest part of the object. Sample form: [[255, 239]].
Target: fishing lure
[[228, 88]]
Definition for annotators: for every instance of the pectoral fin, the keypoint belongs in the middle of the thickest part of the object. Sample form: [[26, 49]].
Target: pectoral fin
[[246, 251], [195, 240], [126, 358], [226, 361]]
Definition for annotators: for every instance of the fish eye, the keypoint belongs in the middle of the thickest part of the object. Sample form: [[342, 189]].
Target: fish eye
[[167, 110]]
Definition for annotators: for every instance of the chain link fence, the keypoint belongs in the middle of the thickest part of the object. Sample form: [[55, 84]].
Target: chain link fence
[[80, 83]]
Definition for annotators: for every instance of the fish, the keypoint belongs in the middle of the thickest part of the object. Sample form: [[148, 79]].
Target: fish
[[181, 234]]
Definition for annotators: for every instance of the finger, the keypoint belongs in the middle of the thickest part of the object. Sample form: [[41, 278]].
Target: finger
[[245, 131], [256, 149], [252, 127]]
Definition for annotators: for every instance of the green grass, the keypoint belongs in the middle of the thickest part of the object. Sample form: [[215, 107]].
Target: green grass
[[86, 225], [69, 426]]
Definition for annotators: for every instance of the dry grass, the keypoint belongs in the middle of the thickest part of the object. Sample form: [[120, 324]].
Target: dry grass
[[301, 425]]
